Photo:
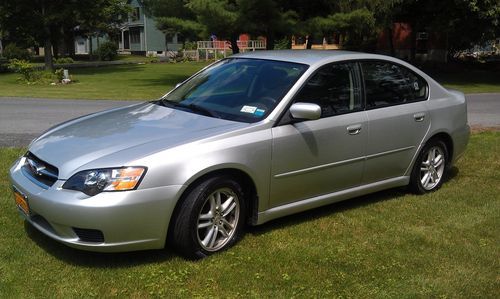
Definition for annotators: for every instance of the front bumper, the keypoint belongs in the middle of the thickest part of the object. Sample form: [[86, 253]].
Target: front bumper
[[128, 220]]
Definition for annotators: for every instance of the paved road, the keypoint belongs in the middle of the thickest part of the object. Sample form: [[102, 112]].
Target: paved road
[[23, 119], [484, 110]]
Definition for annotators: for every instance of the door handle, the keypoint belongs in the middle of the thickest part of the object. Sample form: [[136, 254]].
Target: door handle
[[419, 116], [354, 129]]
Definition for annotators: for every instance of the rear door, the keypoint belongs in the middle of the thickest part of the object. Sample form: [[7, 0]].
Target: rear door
[[397, 115]]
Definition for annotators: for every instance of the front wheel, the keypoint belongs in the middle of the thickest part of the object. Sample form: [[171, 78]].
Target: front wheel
[[210, 218], [430, 168]]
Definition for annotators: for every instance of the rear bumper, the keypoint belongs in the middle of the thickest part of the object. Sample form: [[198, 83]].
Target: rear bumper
[[129, 220], [460, 141]]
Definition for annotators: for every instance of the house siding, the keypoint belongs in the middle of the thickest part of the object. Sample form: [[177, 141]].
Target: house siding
[[149, 38], [155, 38]]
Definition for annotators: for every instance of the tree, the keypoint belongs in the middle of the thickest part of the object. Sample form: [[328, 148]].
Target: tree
[[357, 28], [174, 17], [221, 17], [463, 23], [267, 18], [225, 18], [44, 22]]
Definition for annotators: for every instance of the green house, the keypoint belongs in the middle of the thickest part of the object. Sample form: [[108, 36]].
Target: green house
[[139, 35]]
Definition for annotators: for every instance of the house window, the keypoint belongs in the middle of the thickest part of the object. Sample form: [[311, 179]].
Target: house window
[[135, 35], [422, 42], [136, 14]]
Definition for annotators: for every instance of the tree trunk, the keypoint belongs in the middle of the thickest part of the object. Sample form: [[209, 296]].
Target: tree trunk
[[234, 44], [413, 42], [390, 35], [49, 63], [70, 44], [55, 46], [90, 48], [270, 41]]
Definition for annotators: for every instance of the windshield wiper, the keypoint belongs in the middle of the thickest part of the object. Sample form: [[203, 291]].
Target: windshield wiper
[[200, 109], [193, 107]]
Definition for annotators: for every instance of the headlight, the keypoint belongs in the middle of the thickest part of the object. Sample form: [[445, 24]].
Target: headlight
[[92, 182]]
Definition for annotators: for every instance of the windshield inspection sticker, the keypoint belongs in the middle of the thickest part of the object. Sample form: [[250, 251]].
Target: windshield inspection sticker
[[248, 109]]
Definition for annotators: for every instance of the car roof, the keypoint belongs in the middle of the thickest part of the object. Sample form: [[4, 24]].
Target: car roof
[[309, 57]]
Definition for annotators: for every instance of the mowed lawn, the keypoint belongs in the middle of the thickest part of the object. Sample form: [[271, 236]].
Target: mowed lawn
[[122, 82], [150, 81], [390, 244], [469, 81]]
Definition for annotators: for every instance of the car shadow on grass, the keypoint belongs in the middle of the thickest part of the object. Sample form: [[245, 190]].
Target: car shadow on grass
[[96, 259], [341, 206], [136, 258]]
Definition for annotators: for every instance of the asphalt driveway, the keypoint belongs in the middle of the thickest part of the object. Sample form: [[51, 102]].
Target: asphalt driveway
[[23, 119]]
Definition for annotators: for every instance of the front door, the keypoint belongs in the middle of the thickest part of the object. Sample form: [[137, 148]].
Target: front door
[[126, 40], [317, 157]]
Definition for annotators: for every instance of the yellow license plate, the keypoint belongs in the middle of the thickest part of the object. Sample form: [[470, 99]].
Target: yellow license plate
[[22, 202]]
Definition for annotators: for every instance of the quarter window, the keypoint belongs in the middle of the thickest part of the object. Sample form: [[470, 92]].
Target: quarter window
[[387, 84], [334, 88]]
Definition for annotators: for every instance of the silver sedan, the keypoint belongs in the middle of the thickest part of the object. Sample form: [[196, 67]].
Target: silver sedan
[[248, 139]]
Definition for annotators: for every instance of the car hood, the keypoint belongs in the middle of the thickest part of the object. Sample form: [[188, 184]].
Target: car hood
[[110, 134]]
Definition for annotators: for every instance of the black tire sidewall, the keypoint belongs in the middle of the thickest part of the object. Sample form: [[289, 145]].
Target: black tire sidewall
[[186, 231]]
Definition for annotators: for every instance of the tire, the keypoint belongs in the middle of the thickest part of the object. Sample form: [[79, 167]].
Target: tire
[[430, 168], [210, 218]]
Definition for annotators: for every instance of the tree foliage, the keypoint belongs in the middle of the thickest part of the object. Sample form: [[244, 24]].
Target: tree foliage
[[48, 22]]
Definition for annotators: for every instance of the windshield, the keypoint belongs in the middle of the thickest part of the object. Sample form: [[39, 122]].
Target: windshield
[[238, 89]]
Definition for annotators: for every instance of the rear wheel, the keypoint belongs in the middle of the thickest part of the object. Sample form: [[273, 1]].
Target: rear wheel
[[430, 168], [210, 219]]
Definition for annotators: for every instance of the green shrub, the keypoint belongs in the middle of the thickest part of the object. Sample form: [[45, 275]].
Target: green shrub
[[190, 46], [59, 74], [31, 75], [283, 44], [107, 51], [11, 51], [24, 68], [64, 60]]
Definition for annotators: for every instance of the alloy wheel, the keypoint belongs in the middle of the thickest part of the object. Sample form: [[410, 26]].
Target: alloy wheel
[[218, 219]]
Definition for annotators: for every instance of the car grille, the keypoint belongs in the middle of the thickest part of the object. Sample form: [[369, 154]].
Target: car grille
[[89, 235], [40, 172]]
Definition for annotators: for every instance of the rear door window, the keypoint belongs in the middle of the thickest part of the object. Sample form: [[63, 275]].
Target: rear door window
[[388, 84]]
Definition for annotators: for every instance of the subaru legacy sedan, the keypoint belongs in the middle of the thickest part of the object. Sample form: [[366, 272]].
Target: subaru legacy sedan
[[248, 139]]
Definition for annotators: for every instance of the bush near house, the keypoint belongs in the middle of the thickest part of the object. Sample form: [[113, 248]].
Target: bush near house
[[107, 51], [11, 51], [64, 60]]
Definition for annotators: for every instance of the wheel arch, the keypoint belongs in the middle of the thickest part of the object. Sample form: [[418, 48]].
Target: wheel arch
[[242, 177], [448, 141]]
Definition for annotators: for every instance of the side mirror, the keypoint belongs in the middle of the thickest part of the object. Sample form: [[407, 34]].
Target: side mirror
[[306, 111]]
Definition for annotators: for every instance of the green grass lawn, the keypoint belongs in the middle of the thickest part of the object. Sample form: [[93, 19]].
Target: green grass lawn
[[150, 81], [390, 244], [474, 81], [123, 82]]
